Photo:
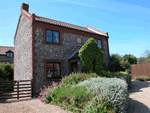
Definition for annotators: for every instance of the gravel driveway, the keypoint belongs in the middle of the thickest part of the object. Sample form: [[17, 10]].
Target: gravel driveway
[[140, 97], [28, 106], [139, 102]]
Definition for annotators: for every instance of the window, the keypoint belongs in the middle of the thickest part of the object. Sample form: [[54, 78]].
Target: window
[[53, 70], [79, 40], [9, 54], [52, 36], [99, 43]]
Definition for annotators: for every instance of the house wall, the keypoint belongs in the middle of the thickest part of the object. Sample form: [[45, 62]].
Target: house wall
[[53, 52], [4, 58], [23, 53]]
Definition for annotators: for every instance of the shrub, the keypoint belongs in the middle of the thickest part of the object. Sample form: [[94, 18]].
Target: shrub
[[125, 64], [75, 78], [91, 57], [114, 63], [75, 99], [6, 71], [113, 88], [142, 78], [130, 58], [107, 74], [124, 76], [98, 104]]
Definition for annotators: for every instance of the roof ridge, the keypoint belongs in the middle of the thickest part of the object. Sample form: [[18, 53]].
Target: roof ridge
[[61, 21]]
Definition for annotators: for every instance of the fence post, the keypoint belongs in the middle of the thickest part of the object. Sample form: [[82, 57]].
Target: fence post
[[33, 87], [17, 89]]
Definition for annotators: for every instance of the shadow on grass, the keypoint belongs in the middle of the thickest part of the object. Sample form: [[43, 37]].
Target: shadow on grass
[[137, 107], [136, 86]]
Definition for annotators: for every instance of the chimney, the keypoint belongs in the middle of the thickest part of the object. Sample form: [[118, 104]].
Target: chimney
[[25, 6]]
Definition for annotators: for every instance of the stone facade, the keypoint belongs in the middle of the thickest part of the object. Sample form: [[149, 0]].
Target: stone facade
[[22, 54], [44, 51], [32, 52]]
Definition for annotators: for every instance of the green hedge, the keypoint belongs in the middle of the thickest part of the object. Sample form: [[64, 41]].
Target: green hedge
[[75, 78], [6, 71], [91, 57]]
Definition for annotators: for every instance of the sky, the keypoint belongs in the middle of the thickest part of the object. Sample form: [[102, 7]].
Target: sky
[[126, 21]]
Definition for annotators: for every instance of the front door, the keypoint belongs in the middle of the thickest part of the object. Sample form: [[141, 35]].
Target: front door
[[74, 67]]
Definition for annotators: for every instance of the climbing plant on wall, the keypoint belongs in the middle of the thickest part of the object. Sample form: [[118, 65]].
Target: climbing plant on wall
[[91, 57]]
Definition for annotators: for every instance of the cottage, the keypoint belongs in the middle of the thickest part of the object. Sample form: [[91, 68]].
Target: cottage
[[6, 54], [47, 49]]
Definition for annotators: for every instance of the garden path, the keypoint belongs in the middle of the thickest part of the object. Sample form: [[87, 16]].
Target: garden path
[[140, 97]]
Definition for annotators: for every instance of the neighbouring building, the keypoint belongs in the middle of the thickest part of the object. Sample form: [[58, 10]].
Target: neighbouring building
[[6, 54], [47, 49]]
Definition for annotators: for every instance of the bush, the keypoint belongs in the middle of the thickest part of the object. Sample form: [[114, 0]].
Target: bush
[[75, 78], [6, 71], [98, 104], [107, 74], [142, 78], [91, 57], [115, 90], [130, 58], [74, 99], [124, 76]]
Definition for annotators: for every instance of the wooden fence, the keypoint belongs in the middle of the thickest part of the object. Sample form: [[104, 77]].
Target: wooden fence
[[140, 69], [16, 89]]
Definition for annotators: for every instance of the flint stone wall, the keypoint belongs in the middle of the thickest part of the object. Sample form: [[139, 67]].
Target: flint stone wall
[[22, 54], [44, 51]]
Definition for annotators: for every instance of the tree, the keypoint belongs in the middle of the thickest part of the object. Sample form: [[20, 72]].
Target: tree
[[114, 63], [145, 58], [91, 57], [146, 53], [130, 58]]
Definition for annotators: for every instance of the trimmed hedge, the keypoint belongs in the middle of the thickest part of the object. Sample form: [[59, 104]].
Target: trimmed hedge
[[91, 57]]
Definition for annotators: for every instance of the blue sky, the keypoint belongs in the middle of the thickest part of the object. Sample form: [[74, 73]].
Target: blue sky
[[126, 21]]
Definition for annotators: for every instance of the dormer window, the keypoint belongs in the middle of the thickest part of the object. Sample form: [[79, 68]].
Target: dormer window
[[9, 54]]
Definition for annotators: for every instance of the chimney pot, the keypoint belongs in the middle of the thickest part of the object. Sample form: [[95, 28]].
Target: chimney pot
[[25, 6]]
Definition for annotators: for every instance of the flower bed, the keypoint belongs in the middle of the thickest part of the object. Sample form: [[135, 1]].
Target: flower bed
[[142, 78], [95, 95]]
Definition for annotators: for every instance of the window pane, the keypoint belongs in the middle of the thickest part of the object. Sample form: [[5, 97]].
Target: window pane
[[50, 74], [56, 40], [96, 40], [10, 54], [99, 42], [56, 66], [100, 46], [55, 34], [49, 39], [57, 73], [48, 33], [79, 40], [50, 66]]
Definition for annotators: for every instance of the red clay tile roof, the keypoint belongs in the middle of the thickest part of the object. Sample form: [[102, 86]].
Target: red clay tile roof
[[63, 24], [4, 49]]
